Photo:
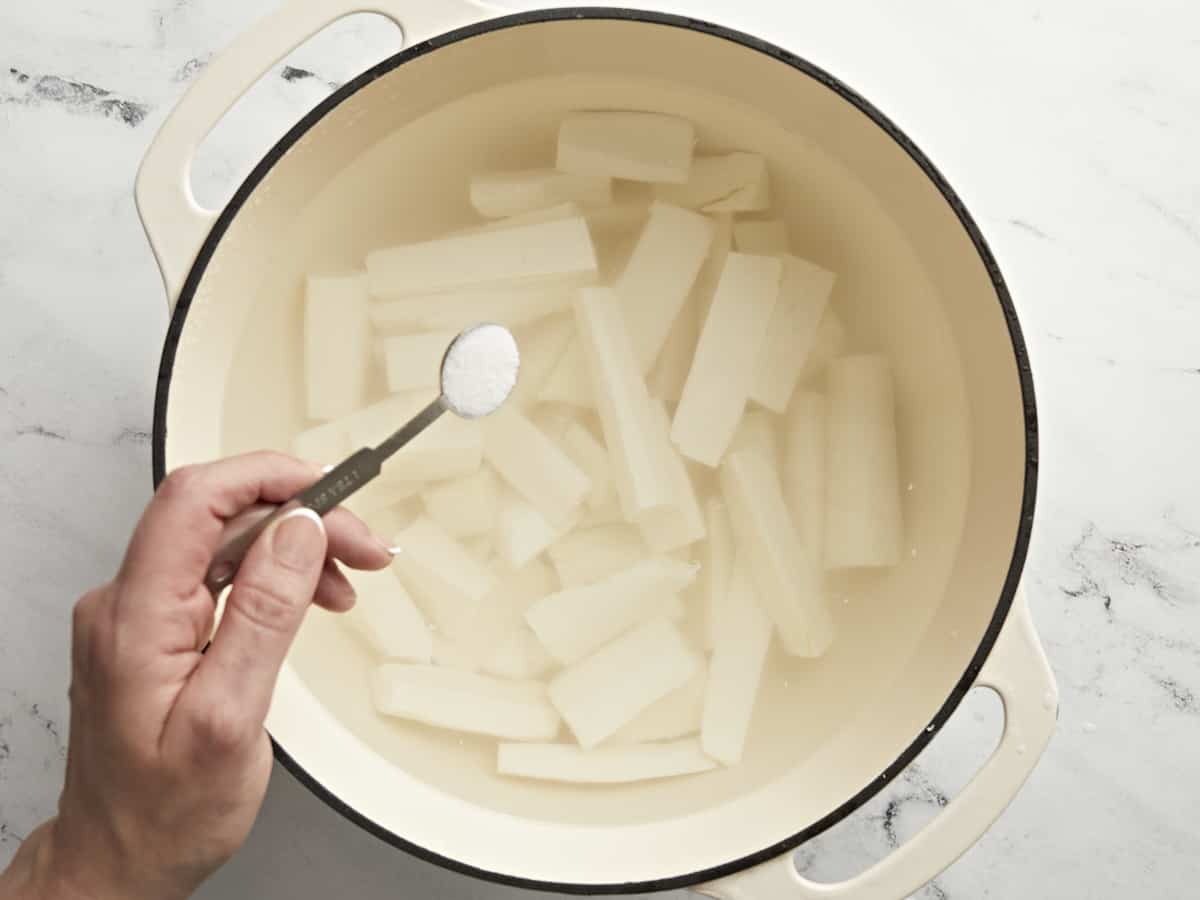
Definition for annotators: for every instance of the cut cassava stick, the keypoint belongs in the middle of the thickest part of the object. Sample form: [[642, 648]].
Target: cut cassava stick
[[590, 554], [676, 715], [590, 455], [464, 507], [534, 465], [501, 194], [722, 372], [716, 564], [463, 701], [448, 448], [385, 615], [457, 310], [804, 469], [734, 182], [681, 522], [863, 523], [603, 765], [803, 294], [599, 694], [786, 580], [413, 361], [577, 621], [638, 146]]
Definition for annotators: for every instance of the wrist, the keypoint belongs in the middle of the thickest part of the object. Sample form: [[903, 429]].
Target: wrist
[[62, 870]]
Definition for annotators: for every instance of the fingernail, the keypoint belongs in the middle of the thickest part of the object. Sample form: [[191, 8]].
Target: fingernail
[[380, 542], [295, 541], [395, 551]]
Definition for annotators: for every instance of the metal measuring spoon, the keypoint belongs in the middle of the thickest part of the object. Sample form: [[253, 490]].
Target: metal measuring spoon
[[465, 392]]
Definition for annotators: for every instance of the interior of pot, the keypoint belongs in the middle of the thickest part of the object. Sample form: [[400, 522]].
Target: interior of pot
[[388, 164]]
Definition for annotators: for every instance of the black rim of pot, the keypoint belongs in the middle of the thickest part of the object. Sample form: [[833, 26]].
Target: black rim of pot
[[1020, 548]]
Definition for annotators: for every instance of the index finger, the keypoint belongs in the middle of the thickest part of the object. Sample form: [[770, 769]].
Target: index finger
[[181, 528]]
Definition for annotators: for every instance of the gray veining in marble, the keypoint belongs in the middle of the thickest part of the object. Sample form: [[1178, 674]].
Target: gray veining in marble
[[1071, 130]]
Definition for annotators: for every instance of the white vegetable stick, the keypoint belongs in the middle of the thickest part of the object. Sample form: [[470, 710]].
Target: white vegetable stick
[[541, 345], [590, 554], [768, 237], [590, 455], [500, 194], [553, 419], [323, 444], [463, 701], [714, 179], [336, 344], [385, 615], [638, 146], [501, 614], [722, 372], [736, 669], [757, 431], [785, 578], [414, 361], [448, 448], [457, 310], [480, 547], [803, 472], [830, 343], [622, 402], [464, 507], [598, 695], [523, 533], [577, 621], [714, 267], [619, 218], [666, 379], [559, 251], [603, 765], [519, 655], [716, 564], [534, 465], [676, 715], [863, 521], [803, 295], [379, 495], [453, 655], [568, 210], [667, 528], [660, 274], [449, 583], [570, 382]]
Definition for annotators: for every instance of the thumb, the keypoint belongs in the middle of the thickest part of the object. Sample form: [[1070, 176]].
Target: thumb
[[263, 612]]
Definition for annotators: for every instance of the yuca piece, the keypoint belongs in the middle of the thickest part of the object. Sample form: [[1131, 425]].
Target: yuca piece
[[667, 528], [786, 579], [829, 343], [523, 533], [500, 618], [803, 295], [603, 765], [518, 655], [757, 432], [863, 522], [542, 344], [323, 444], [378, 495], [598, 695], [569, 383], [558, 252], [448, 582], [722, 373], [716, 564], [464, 701], [414, 361], [768, 237], [639, 146], [337, 337], [676, 715], [534, 465], [660, 274], [576, 621], [736, 669], [622, 402], [803, 471], [589, 454], [387, 618], [464, 507], [734, 182], [666, 379], [457, 310], [500, 194], [590, 554], [448, 448]]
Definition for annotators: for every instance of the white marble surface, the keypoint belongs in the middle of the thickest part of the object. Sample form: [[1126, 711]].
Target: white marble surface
[[1070, 128]]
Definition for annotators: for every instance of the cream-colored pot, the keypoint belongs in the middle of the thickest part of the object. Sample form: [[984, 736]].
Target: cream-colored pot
[[385, 159]]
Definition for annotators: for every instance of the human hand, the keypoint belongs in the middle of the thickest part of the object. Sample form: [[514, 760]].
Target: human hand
[[168, 761]]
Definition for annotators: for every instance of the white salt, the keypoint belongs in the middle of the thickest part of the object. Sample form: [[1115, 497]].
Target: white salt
[[480, 370]]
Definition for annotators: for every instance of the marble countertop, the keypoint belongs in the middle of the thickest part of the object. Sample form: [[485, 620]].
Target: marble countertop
[[1071, 130]]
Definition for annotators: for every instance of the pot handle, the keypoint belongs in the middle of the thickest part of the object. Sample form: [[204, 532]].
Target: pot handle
[[1018, 671], [176, 225]]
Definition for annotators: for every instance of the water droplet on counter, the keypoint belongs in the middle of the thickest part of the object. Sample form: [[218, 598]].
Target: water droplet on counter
[[1089, 727]]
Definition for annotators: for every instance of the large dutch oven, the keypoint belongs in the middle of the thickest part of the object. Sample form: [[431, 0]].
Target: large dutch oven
[[383, 159]]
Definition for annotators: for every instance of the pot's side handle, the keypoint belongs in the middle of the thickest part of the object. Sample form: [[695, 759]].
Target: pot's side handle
[[1018, 671], [175, 223]]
